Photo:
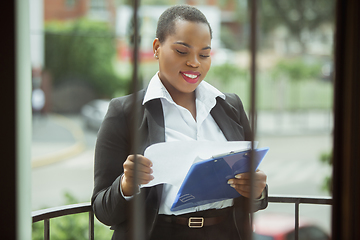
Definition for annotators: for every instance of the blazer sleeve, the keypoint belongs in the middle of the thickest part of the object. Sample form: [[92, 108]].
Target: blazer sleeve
[[111, 150]]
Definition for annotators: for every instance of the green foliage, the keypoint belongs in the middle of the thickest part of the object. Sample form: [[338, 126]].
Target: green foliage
[[296, 70], [326, 158], [85, 51], [72, 227], [229, 39], [296, 16], [38, 231], [226, 73], [275, 90]]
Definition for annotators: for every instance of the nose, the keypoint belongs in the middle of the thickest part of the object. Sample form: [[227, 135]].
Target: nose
[[193, 62]]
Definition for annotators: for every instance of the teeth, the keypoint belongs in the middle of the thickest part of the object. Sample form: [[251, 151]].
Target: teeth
[[190, 75]]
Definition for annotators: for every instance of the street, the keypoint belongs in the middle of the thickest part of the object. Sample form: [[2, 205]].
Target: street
[[294, 169], [292, 166], [72, 175]]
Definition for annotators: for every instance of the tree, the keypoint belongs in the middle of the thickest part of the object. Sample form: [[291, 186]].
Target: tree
[[83, 51], [326, 159], [296, 15]]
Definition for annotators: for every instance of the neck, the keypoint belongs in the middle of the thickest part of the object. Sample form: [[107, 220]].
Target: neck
[[183, 99], [186, 100]]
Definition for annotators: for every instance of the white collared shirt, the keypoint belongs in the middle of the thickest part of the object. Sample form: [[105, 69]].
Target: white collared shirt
[[181, 126]]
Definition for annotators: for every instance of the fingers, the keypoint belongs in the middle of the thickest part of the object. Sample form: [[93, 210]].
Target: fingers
[[242, 183], [141, 178], [245, 190], [144, 170], [141, 160], [257, 186], [259, 175]]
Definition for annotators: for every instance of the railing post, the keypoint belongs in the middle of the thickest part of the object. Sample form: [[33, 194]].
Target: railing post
[[47, 229], [91, 225], [137, 209], [253, 52], [297, 203]]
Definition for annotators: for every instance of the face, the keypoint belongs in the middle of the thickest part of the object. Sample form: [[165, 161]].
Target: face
[[184, 57]]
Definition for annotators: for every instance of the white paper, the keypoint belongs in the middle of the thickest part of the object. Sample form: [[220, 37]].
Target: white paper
[[172, 160]]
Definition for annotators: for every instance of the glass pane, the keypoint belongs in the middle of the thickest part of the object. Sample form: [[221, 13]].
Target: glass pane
[[73, 59], [295, 97], [73, 52], [81, 58]]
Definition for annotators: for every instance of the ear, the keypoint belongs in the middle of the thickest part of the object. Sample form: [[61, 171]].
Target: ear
[[156, 46]]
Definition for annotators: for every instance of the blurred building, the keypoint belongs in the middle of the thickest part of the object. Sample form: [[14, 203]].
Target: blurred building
[[64, 10], [222, 14]]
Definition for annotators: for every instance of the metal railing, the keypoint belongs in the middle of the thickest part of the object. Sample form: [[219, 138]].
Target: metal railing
[[297, 201], [49, 213]]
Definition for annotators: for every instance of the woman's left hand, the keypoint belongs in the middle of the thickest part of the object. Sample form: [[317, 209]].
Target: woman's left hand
[[242, 184]]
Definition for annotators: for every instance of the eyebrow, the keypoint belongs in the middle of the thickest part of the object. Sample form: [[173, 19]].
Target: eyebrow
[[187, 45]]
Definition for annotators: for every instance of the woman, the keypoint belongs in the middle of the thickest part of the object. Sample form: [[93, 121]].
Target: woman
[[177, 105]]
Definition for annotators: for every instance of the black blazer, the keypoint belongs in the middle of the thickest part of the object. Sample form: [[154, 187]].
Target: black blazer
[[114, 145]]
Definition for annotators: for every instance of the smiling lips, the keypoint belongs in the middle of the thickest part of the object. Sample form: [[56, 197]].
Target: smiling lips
[[190, 77]]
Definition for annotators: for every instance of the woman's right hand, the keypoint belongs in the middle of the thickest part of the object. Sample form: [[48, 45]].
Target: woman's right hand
[[143, 175]]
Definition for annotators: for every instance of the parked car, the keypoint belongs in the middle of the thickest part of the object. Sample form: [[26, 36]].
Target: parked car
[[93, 113], [282, 227]]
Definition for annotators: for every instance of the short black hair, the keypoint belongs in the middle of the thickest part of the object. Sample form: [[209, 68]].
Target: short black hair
[[166, 22]]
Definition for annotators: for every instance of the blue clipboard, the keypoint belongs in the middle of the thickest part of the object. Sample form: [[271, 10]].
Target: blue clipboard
[[206, 181]]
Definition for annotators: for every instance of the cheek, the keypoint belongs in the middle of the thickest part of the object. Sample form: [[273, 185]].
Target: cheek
[[207, 65], [170, 64]]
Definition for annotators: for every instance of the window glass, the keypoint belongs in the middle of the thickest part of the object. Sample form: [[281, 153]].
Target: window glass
[[295, 96], [74, 54], [81, 58]]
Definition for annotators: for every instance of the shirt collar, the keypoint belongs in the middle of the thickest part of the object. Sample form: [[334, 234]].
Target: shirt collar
[[205, 92], [155, 90]]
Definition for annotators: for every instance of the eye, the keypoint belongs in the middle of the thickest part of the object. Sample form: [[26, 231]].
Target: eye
[[180, 52], [204, 56]]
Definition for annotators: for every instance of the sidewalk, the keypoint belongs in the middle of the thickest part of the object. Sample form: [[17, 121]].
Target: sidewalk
[[55, 138]]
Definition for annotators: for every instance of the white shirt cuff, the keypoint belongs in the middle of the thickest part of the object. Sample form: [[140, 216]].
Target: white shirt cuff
[[128, 198]]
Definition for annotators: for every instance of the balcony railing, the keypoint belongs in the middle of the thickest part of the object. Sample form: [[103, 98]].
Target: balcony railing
[[49, 213], [297, 201]]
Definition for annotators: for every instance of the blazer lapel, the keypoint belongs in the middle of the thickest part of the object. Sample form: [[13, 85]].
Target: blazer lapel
[[226, 120], [154, 117], [153, 129]]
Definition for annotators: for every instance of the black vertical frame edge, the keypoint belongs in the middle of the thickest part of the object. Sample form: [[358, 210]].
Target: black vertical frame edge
[[8, 120]]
